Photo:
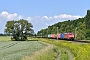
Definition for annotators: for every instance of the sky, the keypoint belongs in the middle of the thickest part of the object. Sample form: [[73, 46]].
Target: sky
[[42, 13]]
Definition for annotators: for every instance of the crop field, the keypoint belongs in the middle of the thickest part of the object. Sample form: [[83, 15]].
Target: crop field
[[15, 50], [5, 38]]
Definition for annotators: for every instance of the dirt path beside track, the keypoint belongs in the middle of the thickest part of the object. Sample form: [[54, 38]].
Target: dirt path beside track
[[58, 57], [69, 54]]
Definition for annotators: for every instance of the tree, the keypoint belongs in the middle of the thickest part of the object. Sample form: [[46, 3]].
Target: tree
[[19, 29], [81, 31], [88, 34], [88, 19], [62, 28]]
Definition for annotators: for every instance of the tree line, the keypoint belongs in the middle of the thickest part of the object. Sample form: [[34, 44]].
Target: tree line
[[80, 27]]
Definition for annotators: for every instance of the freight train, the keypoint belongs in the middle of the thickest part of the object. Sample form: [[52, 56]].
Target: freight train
[[62, 36], [66, 36]]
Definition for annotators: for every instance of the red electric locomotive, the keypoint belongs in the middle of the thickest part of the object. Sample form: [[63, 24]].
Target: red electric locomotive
[[69, 36]]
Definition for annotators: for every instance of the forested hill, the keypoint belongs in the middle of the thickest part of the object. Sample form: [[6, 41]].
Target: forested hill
[[80, 27]]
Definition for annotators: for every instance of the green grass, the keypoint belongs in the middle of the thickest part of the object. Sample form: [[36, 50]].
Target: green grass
[[15, 50], [5, 38], [64, 54], [49, 55]]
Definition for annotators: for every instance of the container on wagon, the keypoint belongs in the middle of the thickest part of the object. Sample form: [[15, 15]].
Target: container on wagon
[[49, 35], [53, 35], [58, 35], [62, 36], [66, 35]]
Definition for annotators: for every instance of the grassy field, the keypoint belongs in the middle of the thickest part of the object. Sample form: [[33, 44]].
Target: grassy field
[[64, 54], [5, 38], [15, 50], [47, 53], [23, 50]]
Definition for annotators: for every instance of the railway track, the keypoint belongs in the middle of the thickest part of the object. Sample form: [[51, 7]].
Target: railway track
[[80, 41]]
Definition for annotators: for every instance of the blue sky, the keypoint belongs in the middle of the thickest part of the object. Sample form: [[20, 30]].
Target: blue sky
[[42, 13]]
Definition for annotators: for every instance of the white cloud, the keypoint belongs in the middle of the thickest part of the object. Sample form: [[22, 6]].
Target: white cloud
[[62, 16], [4, 13], [29, 18], [39, 22], [20, 17], [7, 16], [45, 17]]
